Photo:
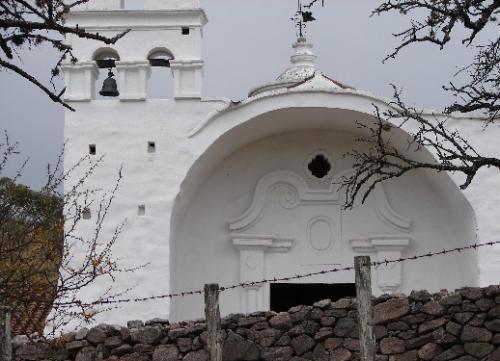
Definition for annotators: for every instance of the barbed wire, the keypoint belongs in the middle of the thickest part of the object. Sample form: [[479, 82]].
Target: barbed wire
[[375, 264]]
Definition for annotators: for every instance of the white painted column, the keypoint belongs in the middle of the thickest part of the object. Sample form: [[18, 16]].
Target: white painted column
[[80, 80], [390, 276], [252, 249], [252, 269], [132, 79], [188, 77]]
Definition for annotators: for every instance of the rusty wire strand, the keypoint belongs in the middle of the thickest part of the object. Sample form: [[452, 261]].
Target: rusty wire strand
[[384, 262]]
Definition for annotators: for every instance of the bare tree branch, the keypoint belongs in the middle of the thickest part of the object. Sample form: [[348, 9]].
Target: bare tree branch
[[45, 262], [384, 160], [437, 26], [29, 24]]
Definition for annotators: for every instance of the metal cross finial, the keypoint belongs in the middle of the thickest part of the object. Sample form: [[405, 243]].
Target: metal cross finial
[[302, 17]]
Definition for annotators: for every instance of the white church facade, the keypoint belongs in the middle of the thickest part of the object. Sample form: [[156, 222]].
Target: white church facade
[[221, 191]]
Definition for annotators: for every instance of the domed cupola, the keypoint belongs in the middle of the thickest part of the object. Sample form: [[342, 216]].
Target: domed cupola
[[301, 74]]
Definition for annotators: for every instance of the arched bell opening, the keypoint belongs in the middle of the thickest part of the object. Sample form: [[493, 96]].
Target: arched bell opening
[[160, 83], [256, 175], [106, 83]]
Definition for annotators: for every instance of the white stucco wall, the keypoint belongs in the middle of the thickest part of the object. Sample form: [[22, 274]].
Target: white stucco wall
[[211, 154], [202, 249], [183, 135]]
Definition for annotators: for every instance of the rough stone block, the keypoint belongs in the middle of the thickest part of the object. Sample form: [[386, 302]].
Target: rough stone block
[[392, 345], [429, 351], [431, 325], [471, 293], [345, 327], [113, 342], [96, 336], [478, 349], [277, 354], [390, 310], [475, 334], [333, 343], [493, 325], [166, 353], [302, 344], [407, 356], [200, 355], [281, 321], [122, 350], [340, 354], [451, 353]]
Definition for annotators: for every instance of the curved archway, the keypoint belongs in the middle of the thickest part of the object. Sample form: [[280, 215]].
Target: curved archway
[[160, 82], [222, 183], [160, 53], [105, 53], [163, 48]]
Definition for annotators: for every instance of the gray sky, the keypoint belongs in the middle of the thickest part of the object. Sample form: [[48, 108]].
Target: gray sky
[[247, 43]]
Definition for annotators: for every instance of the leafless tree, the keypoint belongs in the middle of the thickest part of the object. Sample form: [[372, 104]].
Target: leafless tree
[[436, 22], [45, 263], [28, 24]]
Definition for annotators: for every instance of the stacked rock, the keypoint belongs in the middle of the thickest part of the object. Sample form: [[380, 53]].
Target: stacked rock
[[463, 325]]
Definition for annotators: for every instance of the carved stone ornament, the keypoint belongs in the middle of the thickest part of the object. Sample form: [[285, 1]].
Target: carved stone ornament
[[287, 215], [389, 277]]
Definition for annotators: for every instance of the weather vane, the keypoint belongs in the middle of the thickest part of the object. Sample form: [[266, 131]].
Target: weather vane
[[302, 17]]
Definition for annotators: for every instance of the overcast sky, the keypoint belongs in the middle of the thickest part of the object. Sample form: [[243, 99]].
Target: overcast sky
[[246, 43]]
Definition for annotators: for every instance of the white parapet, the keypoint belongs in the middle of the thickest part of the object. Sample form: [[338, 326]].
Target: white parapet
[[133, 77], [80, 81], [100, 5], [171, 4]]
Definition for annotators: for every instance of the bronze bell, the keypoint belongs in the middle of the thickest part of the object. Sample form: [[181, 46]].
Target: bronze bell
[[109, 86]]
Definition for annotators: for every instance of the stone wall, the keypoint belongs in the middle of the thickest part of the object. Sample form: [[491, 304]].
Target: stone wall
[[463, 325]]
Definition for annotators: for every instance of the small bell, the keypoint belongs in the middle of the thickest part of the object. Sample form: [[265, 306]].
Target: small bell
[[109, 86]]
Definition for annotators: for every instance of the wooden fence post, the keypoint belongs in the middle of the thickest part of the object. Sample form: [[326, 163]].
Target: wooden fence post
[[212, 315], [5, 334], [362, 266]]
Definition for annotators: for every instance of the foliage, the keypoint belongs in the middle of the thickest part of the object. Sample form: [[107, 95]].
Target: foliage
[[45, 262], [31, 235]]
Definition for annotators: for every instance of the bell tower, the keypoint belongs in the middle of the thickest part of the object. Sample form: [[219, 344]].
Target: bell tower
[[164, 33], [120, 129]]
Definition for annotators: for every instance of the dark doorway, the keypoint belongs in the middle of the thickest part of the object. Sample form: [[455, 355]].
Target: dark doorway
[[286, 295]]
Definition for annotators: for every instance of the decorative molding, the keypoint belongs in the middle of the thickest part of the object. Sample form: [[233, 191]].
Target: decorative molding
[[138, 19], [252, 249], [373, 244], [385, 212], [318, 224], [297, 192], [316, 235], [389, 277], [310, 157], [269, 243], [291, 183]]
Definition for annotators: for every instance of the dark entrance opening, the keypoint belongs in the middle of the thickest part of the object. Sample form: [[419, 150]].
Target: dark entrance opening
[[286, 295]]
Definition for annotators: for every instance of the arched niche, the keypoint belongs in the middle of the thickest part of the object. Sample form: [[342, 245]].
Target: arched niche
[[105, 53], [417, 213], [160, 56], [106, 59], [160, 83]]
